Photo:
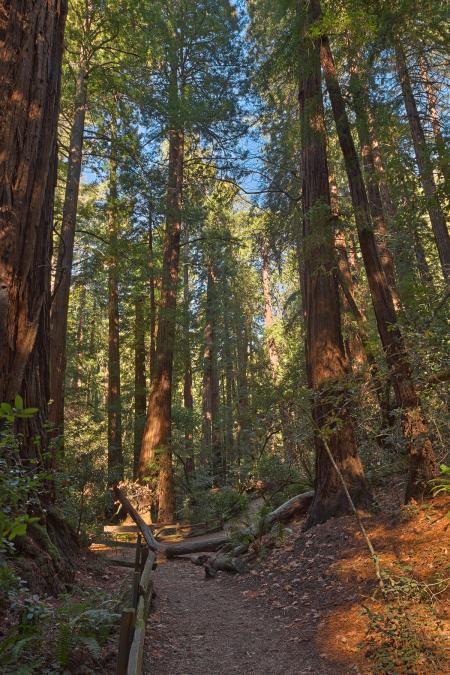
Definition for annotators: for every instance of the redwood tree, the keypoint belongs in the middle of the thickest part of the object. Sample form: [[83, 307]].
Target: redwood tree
[[422, 460], [326, 363], [31, 44]]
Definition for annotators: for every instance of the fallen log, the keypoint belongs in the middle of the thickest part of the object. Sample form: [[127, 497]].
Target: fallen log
[[169, 550], [234, 558], [293, 508]]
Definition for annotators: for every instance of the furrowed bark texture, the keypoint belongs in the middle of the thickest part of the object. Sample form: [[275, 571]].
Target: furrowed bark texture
[[156, 449], [422, 460], [31, 45], [326, 363]]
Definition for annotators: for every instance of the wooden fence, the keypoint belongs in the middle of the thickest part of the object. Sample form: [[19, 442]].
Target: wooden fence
[[134, 618]]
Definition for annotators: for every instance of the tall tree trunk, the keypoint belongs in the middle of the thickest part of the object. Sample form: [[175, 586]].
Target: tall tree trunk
[[92, 393], [272, 347], [60, 300], [424, 163], [188, 399], [389, 206], [152, 285], [156, 443], [274, 361], [31, 44], [243, 446], [80, 337], [211, 447], [140, 389], [229, 379], [114, 402], [386, 198], [422, 460], [421, 259], [361, 108], [326, 363], [442, 150], [356, 344], [31, 47]]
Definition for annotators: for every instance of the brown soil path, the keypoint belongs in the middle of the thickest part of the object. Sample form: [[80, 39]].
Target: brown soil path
[[205, 627]]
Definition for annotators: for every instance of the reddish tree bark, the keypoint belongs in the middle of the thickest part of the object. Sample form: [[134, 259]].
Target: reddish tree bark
[[211, 450], [114, 402], [422, 459], [188, 399], [31, 44], [152, 289], [30, 72], [326, 363], [156, 452], [140, 389]]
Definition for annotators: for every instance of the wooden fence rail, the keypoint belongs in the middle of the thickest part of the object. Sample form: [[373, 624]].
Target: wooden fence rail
[[134, 618]]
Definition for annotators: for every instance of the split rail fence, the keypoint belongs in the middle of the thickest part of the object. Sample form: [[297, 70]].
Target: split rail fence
[[134, 617]]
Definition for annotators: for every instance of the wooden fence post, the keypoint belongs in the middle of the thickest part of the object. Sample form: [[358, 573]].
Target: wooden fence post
[[137, 572], [125, 639]]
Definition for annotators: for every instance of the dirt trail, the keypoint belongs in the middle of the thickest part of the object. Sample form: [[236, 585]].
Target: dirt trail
[[205, 627]]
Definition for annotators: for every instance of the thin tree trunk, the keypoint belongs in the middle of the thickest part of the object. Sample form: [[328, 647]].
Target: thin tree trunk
[[140, 389], [188, 399], [76, 383], [60, 301], [274, 361], [156, 451], [361, 108], [243, 423], [31, 45], [437, 218], [436, 125], [151, 278], [92, 394], [211, 448], [388, 203], [357, 341], [421, 259], [422, 459], [326, 363], [268, 316], [229, 379], [114, 403]]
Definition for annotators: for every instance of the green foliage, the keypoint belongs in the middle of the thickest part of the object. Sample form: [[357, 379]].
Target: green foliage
[[441, 485], [44, 638], [20, 484], [216, 505], [406, 635], [280, 480]]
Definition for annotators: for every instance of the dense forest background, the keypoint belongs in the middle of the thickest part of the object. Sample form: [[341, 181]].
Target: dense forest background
[[230, 273], [227, 82]]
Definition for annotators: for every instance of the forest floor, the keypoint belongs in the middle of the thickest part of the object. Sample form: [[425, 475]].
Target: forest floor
[[308, 605], [300, 609]]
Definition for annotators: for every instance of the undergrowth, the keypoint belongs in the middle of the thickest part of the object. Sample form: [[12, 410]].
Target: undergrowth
[[405, 634], [49, 640]]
